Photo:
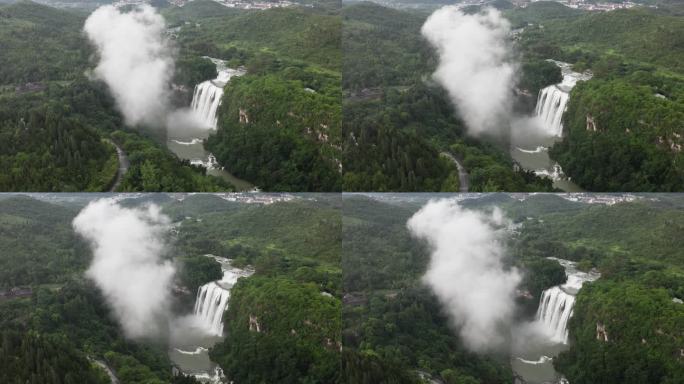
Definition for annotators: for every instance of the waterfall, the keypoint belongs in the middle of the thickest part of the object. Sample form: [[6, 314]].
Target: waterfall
[[206, 100], [551, 104], [556, 303], [555, 308], [212, 298], [552, 100], [210, 305], [208, 94]]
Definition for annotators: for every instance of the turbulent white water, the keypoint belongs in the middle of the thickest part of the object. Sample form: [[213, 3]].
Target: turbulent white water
[[197, 351], [539, 149], [555, 173], [207, 96], [556, 304], [552, 100], [215, 377], [212, 298], [542, 360], [209, 163], [191, 142]]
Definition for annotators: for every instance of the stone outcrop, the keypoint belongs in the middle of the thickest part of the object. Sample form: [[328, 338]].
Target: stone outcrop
[[601, 333], [254, 325], [591, 123], [244, 118]]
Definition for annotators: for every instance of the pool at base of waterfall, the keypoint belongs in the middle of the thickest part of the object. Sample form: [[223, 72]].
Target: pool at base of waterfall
[[192, 358], [535, 157], [535, 366]]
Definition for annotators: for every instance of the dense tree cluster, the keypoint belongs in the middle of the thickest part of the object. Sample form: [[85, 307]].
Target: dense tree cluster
[[620, 136], [49, 144], [54, 248], [537, 74], [382, 47], [197, 271], [280, 133], [50, 359], [192, 70], [296, 340], [40, 43]]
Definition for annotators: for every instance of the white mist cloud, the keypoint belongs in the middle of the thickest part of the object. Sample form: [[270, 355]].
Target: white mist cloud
[[127, 245], [466, 270], [135, 61], [474, 66]]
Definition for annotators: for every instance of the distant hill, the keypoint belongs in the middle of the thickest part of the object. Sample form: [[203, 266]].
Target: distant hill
[[40, 43], [295, 32], [541, 11], [639, 33], [197, 10]]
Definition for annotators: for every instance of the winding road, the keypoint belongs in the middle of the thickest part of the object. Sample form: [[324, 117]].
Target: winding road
[[463, 181], [110, 372], [123, 165]]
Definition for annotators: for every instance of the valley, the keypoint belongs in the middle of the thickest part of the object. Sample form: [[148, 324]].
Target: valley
[[617, 130], [302, 146], [575, 262], [228, 279]]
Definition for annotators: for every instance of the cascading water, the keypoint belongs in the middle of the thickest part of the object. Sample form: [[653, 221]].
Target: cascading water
[[207, 96], [210, 305], [205, 101], [551, 104], [555, 309], [556, 303], [553, 100]]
